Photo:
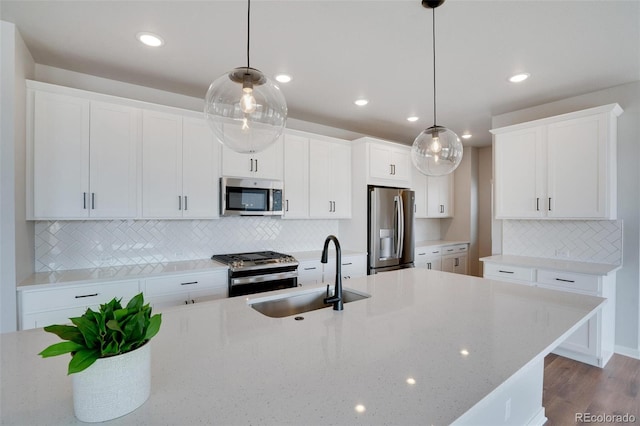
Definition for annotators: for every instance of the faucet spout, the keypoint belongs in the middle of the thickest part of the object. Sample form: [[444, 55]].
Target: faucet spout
[[336, 299]]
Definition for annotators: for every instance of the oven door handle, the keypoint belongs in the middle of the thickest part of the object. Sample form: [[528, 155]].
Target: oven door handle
[[264, 278]]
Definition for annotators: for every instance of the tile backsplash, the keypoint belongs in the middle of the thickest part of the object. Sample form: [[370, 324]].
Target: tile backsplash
[[62, 245], [597, 241]]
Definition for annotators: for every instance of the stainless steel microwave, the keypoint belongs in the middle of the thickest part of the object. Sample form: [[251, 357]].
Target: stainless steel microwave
[[250, 197]]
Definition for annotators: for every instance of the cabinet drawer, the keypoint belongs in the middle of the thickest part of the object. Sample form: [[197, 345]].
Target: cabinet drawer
[[493, 270], [354, 266], [570, 281], [426, 252], [77, 296], [458, 248], [309, 272], [185, 283]]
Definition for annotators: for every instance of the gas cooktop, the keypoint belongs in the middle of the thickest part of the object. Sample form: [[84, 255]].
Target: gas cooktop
[[255, 260]]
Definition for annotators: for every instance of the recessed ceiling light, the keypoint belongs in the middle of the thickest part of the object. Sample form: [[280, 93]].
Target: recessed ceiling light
[[361, 102], [283, 78], [150, 39], [412, 118], [466, 136], [518, 78]]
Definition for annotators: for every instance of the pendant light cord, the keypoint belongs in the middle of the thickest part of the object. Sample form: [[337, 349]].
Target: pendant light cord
[[434, 67], [248, 30]]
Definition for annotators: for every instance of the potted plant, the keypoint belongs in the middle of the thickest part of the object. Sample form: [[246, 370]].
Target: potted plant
[[110, 358]]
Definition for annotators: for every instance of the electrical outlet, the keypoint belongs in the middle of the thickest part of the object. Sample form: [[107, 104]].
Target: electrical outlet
[[562, 253], [507, 410]]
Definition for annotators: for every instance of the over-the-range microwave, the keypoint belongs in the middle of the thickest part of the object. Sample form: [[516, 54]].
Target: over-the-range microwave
[[250, 197]]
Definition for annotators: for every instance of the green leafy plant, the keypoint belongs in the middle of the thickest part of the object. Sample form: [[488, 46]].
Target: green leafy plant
[[113, 330]]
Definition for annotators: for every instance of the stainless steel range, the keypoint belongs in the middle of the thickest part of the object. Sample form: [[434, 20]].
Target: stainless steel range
[[259, 271]]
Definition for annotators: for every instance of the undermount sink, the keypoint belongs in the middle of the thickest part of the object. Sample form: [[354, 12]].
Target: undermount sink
[[300, 302]]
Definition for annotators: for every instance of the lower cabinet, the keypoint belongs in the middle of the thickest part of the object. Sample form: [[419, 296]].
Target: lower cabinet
[[45, 306], [428, 258], [309, 272], [315, 272], [455, 259], [173, 290], [593, 342]]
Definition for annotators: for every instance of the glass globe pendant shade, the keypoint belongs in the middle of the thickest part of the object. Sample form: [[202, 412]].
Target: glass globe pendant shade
[[436, 151], [246, 110]]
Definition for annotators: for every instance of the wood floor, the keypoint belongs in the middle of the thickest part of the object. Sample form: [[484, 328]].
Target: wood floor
[[572, 387]]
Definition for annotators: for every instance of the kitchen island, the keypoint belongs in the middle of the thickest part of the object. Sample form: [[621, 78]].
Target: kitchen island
[[427, 347]]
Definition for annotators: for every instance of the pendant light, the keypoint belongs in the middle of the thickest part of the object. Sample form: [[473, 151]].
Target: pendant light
[[437, 150], [245, 109]]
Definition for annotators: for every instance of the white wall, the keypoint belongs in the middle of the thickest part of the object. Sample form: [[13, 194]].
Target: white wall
[[485, 202], [628, 277], [16, 234]]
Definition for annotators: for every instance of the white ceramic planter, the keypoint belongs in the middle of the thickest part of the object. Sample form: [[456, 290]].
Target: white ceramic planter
[[112, 387]]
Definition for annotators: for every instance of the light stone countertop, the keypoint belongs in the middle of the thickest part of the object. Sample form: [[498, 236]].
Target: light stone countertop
[[438, 243], [559, 265], [221, 362]]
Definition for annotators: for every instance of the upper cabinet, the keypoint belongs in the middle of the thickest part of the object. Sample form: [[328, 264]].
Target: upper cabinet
[[561, 167], [84, 158], [265, 164], [179, 167], [329, 179], [387, 163], [296, 176], [434, 195]]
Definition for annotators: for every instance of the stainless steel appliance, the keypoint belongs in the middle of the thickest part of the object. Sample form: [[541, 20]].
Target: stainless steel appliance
[[259, 271], [391, 240], [250, 197]]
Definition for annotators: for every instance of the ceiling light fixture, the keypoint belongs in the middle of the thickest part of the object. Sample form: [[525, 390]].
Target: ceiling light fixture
[[150, 39], [412, 118], [283, 78], [245, 109], [437, 150], [466, 136], [361, 102], [519, 78]]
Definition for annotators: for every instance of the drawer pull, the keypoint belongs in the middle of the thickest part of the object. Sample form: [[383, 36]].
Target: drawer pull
[[565, 281], [422, 254], [505, 272], [347, 264], [189, 283], [310, 269], [436, 252], [462, 248], [86, 295], [449, 249]]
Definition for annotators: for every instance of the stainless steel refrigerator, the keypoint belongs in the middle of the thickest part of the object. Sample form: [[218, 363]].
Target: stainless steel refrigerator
[[390, 223]]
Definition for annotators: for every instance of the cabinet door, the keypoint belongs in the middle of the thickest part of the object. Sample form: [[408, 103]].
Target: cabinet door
[[113, 147], [309, 272], [268, 163], [200, 174], [61, 156], [296, 177], [577, 168], [419, 186], [236, 164], [448, 263], [320, 202], [401, 160], [440, 196], [380, 162], [520, 174], [161, 165], [341, 180]]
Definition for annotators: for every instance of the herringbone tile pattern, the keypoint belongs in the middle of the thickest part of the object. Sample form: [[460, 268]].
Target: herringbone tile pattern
[[62, 245], [597, 241]]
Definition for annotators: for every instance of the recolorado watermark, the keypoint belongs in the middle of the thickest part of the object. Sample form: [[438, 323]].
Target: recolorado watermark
[[605, 418]]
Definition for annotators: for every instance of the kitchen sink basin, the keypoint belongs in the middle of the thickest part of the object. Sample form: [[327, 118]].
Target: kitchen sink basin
[[300, 302]]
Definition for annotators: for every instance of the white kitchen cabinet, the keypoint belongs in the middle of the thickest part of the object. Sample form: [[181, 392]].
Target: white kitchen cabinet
[[428, 258], [593, 342], [351, 266], [266, 164], [455, 258], [385, 163], [561, 167], [45, 306], [296, 177], [329, 179], [419, 186], [84, 158], [173, 290], [309, 272], [179, 167], [440, 196]]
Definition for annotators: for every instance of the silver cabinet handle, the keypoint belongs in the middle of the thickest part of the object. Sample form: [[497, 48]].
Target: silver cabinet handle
[[286, 203], [189, 283], [93, 201], [256, 165], [549, 203], [185, 202], [428, 265], [310, 269], [251, 168], [179, 202], [538, 204], [565, 281], [505, 272], [84, 200]]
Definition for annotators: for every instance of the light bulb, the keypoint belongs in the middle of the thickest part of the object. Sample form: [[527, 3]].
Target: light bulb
[[436, 146], [247, 101]]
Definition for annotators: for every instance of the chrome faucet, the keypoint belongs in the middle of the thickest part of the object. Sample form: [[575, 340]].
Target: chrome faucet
[[336, 299]]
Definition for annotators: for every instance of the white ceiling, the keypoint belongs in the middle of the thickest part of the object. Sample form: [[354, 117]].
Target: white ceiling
[[338, 51]]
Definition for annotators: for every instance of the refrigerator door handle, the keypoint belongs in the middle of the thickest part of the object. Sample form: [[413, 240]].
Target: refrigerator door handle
[[400, 225]]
